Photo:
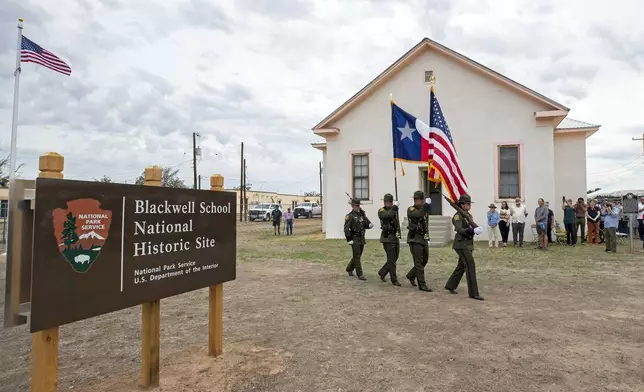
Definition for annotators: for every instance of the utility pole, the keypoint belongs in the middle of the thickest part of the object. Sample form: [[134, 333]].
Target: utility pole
[[195, 152], [199, 181], [241, 185], [245, 196]]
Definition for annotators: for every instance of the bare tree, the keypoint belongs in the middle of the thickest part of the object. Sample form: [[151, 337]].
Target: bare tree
[[4, 171], [169, 178]]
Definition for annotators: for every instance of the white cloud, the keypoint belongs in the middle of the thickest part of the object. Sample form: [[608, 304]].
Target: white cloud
[[148, 74]]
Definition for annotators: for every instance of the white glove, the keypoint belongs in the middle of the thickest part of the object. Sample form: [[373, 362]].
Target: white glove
[[371, 225], [350, 242], [478, 231], [428, 201], [396, 203]]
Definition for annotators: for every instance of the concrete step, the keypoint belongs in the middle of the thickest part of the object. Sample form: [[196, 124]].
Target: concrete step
[[440, 230]]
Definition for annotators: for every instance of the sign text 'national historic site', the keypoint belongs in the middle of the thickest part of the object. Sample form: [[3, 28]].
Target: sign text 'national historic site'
[[101, 247]]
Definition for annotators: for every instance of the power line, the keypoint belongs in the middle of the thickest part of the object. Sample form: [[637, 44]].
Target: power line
[[613, 180], [616, 168]]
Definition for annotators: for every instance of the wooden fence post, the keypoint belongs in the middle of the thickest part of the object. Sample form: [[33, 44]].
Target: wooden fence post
[[44, 344], [216, 303], [150, 316]]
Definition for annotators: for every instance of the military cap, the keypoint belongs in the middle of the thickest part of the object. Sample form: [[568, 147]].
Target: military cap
[[419, 195], [355, 202], [388, 197], [464, 199]]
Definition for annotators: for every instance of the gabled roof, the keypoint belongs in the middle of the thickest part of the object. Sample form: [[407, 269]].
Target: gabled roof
[[569, 123], [570, 126], [409, 56]]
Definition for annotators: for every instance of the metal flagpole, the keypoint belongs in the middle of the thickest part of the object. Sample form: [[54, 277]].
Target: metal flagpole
[[12, 302], [14, 121]]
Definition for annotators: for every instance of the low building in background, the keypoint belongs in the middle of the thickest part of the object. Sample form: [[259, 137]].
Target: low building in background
[[286, 200]]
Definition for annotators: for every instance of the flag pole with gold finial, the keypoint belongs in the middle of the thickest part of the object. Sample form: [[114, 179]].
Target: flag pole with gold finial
[[432, 82], [391, 105]]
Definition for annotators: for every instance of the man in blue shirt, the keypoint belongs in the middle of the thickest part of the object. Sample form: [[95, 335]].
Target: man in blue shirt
[[610, 214], [493, 231]]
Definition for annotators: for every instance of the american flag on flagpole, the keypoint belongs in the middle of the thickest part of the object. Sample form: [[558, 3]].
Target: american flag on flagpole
[[30, 52], [443, 161]]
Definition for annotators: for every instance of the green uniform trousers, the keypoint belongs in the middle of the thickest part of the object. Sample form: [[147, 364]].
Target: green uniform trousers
[[357, 249], [465, 264], [392, 250], [420, 254], [580, 222]]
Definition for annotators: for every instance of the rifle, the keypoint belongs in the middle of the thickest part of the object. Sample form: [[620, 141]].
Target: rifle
[[398, 234], [461, 211]]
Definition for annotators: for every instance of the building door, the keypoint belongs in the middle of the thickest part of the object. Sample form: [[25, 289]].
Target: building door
[[432, 189]]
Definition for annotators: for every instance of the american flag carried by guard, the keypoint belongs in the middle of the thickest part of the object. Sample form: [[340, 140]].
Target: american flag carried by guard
[[417, 142], [444, 162]]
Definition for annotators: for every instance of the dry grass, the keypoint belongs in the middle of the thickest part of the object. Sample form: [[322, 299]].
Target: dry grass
[[569, 319]]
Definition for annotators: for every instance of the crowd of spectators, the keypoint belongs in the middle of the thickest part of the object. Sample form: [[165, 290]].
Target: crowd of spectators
[[584, 222]]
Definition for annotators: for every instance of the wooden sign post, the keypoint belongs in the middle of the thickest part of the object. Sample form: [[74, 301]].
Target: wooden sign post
[[151, 315], [216, 303], [44, 344], [106, 247]]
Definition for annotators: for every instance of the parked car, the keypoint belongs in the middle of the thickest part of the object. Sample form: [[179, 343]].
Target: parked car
[[262, 211], [307, 209]]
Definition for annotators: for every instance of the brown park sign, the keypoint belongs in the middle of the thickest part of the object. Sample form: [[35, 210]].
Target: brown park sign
[[101, 247]]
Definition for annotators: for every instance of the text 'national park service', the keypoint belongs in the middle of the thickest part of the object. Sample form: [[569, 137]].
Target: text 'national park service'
[[155, 227]]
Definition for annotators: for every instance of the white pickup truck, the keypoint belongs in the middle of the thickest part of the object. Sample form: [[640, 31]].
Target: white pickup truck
[[263, 211], [307, 209]]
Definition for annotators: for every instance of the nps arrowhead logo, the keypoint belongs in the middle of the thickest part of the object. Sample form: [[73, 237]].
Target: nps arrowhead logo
[[81, 231]]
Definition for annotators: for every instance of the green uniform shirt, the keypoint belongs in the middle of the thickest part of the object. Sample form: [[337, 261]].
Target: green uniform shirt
[[355, 225], [417, 217], [464, 238], [388, 224]]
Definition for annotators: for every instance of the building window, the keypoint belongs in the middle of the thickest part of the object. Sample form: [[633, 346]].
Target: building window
[[361, 176], [509, 176]]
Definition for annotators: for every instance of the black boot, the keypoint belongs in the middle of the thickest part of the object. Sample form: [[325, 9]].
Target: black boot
[[423, 287], [361, 277], [382, 278], [395, 283], [477, 297], [350, 273], [412, 281], [451, 291]]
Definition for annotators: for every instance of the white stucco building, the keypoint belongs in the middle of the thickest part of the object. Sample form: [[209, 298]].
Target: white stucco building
[[511, 141]]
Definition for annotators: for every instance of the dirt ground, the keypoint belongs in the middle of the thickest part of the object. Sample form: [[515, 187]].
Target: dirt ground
[[570, 319]]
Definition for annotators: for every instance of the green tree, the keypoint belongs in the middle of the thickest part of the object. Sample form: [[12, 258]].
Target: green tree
[[69, 231], [169, 178], [593, 190], [105, 178]]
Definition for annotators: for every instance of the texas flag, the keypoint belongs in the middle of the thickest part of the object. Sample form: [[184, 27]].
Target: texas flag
[[410, 137]]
